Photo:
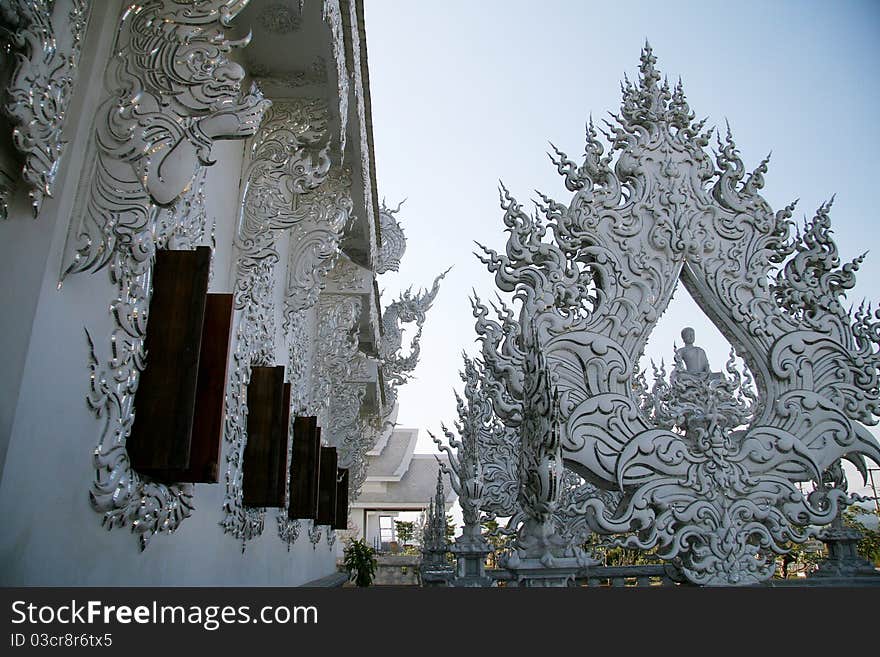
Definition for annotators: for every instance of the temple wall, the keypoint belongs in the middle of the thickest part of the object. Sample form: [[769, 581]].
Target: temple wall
[[52, 535]]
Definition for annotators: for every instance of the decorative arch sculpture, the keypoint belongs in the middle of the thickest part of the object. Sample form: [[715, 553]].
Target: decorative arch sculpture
[[715, 490]]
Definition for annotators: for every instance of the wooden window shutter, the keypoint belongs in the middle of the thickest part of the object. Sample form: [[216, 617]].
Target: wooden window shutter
[[327, 487], [264, 480], [304, 470], [341, 520], [177, 431]]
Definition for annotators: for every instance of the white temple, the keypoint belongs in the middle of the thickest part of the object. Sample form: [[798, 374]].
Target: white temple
[[133, 135], [398, 480]]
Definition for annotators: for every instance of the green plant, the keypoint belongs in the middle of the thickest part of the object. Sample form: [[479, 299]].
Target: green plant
[[869, 547], [498, 541], [360, 561], [450, 528], [405, 531]]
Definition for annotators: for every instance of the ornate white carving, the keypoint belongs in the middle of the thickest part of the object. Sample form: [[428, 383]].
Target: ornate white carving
[[288, 159], [160, 100], [487, 446], [393, 240], [254, 345], [314, 247], [434, 544], [464, 466], [336, 347], [593, 277], [288, 530], [47, 37], [314, 241], [332, 15], [314, 535], [175, 92], [299, 338], [348, 432], [118, 492], [407, 309], [339, 369]]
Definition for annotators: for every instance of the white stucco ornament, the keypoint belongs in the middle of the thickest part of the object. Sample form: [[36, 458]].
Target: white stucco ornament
[[45, 38], [172, 90], [706, 469]]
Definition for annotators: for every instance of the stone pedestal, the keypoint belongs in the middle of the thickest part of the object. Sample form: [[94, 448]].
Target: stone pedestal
[[436, 575], [470, 554], [434, 570]]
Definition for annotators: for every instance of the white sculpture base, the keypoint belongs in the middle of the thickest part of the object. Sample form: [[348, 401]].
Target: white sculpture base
[[532, 573]]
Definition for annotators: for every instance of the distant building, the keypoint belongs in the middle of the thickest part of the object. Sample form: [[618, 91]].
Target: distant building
[[398, 480]]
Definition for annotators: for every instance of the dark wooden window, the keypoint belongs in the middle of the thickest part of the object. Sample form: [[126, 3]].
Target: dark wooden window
[[304, 470], [341, 520], [177, 430], [327, 487], [264, 480]]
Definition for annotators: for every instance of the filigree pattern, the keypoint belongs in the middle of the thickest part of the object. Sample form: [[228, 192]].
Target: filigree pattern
[[126, 216], [288, 158], [254, 345], [48, 40], [336, 346], [592, 278], [314, 241], [336, 399], [122, 495], [346, 430]]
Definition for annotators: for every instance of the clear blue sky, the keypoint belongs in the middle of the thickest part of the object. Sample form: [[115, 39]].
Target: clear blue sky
[[465, 93]]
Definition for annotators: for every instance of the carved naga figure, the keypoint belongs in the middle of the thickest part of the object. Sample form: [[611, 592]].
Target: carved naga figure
[[595, 275], [406, 309]]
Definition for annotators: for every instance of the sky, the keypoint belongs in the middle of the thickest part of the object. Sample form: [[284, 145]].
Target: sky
[[467, 93]]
